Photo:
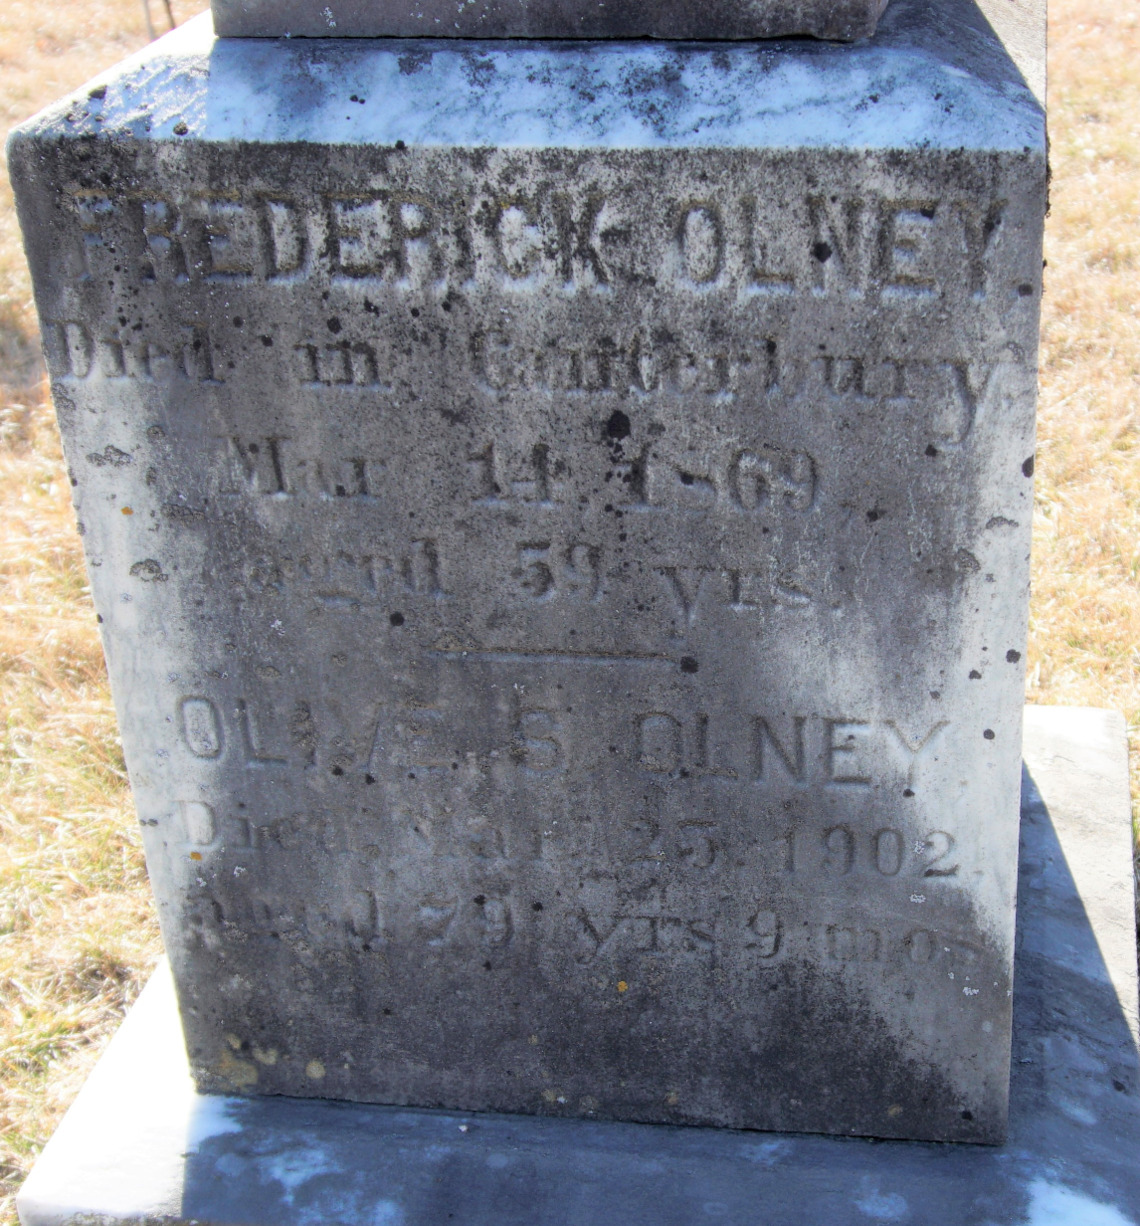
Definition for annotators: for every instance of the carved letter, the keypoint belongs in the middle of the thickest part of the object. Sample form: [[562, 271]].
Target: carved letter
[[660, 743], [537, 748], [686, 585], [198, 822], [906, 233], [843, 741], [793, 763], [201, 727], [839, 254], [914, 754], [700, 238]]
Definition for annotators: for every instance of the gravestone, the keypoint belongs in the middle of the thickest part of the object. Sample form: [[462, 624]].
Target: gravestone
[[559, 520], [835, 19]]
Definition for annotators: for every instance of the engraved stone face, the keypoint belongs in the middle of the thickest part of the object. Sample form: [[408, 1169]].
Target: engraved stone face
[[565, 596]]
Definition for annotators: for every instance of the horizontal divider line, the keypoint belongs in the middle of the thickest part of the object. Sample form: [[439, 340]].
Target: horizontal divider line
[[548, 657]]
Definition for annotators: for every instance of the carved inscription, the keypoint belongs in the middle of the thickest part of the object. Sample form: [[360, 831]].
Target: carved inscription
[[693, 589], [271, 466], [587, 242], [766, 937], [353, 364], [740, 480], [532, 573], [955, 391], [798, 750], [788, 750], [839, 850], [623, 908], [77, 351], [663, 364], [350, 578], [639, 412], [201, 727], [207, 733]]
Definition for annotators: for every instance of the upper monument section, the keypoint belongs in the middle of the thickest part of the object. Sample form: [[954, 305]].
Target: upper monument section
[[844, 20]]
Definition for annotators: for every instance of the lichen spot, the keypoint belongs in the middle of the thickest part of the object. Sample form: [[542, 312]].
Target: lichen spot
[[549, 1096], [672, 1098], [314, 1070], [240, 1074], [533, 1040], [894, 1111], [623, 986], [127, 511], [265, 1055], [195, 855]]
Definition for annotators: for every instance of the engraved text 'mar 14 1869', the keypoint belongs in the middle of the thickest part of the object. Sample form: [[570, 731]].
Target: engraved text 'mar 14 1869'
[[565, 605]]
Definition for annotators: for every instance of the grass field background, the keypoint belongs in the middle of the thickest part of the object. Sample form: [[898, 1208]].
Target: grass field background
[[77, 929]]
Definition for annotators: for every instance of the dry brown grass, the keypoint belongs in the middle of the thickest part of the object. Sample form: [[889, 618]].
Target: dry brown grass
[[1085, 614], [77, 931], [77, 927]]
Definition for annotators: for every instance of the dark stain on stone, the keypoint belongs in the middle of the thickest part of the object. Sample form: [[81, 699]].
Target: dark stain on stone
[[110, 455], [412, 62], [618, 426], [182, 514], [303, 730], [149, 571]]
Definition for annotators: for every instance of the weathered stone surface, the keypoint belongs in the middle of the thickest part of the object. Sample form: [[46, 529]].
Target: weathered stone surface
[[722, 19], [139, 1145], [560, 521]]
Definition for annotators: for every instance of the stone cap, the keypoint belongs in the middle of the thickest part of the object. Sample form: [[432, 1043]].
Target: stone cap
[[843, 20], [947, 74]]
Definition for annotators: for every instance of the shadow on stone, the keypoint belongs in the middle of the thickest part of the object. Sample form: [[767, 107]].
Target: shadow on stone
[[1074, 1126]]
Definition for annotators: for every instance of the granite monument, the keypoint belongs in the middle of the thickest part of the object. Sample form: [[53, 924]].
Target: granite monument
[[559, 518]]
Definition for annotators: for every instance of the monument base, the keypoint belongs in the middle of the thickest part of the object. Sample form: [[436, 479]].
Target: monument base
[[139, 1145]]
